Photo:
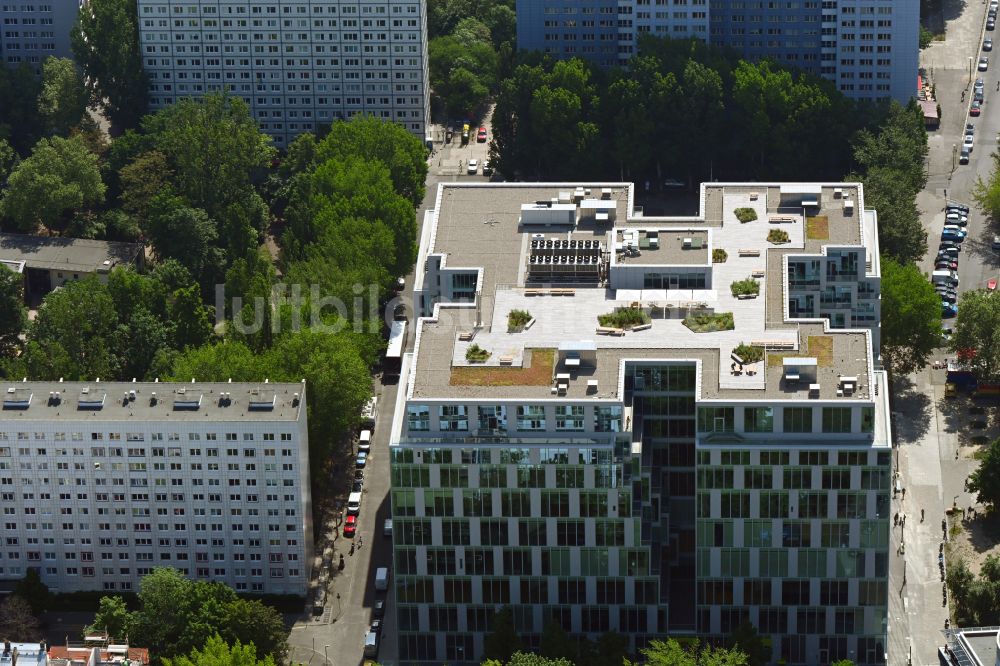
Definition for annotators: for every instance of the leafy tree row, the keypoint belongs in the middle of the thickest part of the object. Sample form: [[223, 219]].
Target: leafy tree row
[[178, 618], [470, 42], [54, 103]]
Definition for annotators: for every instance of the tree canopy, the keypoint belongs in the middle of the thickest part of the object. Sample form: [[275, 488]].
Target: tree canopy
[[985, 480], [911, 317], [60, 176], [179, 619], [672, 653], [217, 652], [975, 599], [63, 98], [105, 43], [976, 337]]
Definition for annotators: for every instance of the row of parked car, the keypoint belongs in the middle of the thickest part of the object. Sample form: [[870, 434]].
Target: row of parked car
[[945, 276]]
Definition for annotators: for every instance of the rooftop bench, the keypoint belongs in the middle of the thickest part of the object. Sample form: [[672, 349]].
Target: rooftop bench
[[749, 252], [610, 330]]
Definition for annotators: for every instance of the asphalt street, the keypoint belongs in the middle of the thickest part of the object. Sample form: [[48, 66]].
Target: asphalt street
[[927, 429], [336, 637]]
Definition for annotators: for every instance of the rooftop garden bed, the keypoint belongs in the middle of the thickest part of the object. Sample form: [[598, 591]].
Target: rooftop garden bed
[[777, 236], [709, 323], [476, 354], [747, 287], [536, 371], [745, 215], [624, 318], [749, 353], [517, 320], [719, 256], [818, 228]]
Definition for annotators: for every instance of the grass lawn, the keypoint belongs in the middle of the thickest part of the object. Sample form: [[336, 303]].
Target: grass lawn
[[704, 323], [818, 228], [819, 346], [538, 372]]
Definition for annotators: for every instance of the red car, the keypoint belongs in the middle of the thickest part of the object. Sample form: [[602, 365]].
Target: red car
[[975, 109], [481, 137], [991, 284], [350, 526]]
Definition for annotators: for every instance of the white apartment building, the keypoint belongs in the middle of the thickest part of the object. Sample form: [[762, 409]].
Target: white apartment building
[[299, 64], [103, 481], [652, 477], [33, 30]]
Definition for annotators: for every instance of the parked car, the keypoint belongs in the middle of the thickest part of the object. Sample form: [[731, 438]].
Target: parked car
[[948, 298], [371, 644], [991, 284], [948, 310], [376, 626], [950, 246], [987, 44], [350, 526], [975, 109], [387, 528], [481, 136], [955, 229], [945, 265], [487, 168], [977, 96], [359, 475], [969, 129], [984, 63], [963, 157], [978, 86], [361, 460], [961, 208], [400, 284], [945, 290], [473, 167], [357, 487], [991, 24], [946, 256], [365, 441], [378, 609], [968, 142]]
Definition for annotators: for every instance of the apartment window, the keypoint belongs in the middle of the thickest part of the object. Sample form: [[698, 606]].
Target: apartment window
[[836, 419], [569, 417], [758, 419], [715, 419], [798, 419], [530, 417], [418, 417], [453, 417]]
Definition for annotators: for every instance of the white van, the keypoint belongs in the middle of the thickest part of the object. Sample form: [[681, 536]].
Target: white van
[[381, 579], [354, 504], [365, 441], [945, 277], [369, 412], [371, 644]]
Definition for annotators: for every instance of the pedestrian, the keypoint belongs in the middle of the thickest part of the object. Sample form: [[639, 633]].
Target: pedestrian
[[904, 494], [903, 522], [361, 540], [895, 519], [921, 515]]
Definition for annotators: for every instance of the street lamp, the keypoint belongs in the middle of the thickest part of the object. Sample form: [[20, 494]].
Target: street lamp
[[970, 72], [325, 655]]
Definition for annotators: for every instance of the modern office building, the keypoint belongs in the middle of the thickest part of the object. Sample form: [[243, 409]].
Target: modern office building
[[869, 48], [35, 30], [299, 65], [645, 475], [103, 481]]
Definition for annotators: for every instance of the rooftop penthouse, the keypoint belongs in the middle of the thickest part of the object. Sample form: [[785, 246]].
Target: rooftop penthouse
[[603, 284]]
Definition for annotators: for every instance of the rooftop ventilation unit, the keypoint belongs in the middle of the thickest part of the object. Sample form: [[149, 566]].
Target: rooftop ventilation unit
[[17, 398], [91, 399]]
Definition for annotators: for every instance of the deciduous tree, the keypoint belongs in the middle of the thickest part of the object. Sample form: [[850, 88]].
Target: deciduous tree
[[60, 176], [977, 333], [671, 653], [63, 99], [13, 314], [105, 43], [218, 652], [911, 317], [113, 618]]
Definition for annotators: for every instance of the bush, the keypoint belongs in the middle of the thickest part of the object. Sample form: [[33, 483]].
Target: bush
[[476, 354], [742, 287], [745, 215], [777, 236], [719, 256], [624, 318], [926, 37], [749, 353], [517, 320], [709, 323]]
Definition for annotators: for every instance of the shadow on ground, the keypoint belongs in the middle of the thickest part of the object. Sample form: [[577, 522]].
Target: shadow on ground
[[914, 408]]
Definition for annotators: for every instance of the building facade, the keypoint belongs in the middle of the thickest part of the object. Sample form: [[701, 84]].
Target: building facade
[[299, 65], [668, 475], [35, 30], [868, 48], [102, 482]]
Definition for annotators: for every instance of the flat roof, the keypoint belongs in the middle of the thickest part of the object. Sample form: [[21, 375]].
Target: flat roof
[[72, 255], [476, 227], [24, 401]]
